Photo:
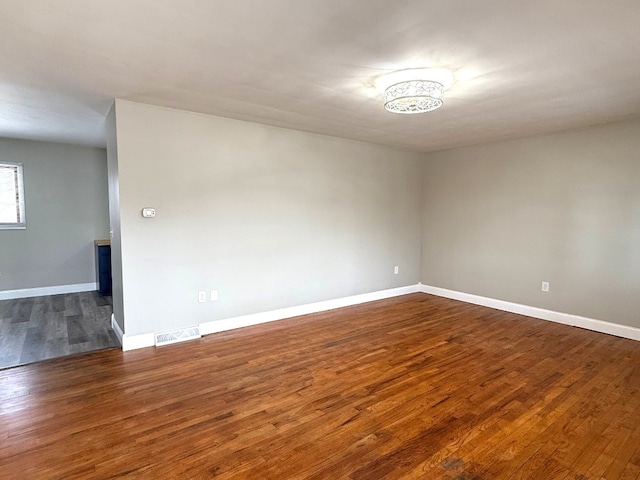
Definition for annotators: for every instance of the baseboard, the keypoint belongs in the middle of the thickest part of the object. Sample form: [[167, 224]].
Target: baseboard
[[42, 291], [280, 314], [601, 326], [116, 328], [147, 340], [134, 342], [131, 342]]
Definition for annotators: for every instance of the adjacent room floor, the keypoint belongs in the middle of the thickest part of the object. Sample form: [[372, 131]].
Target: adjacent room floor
[[39, 328], [414, 387]]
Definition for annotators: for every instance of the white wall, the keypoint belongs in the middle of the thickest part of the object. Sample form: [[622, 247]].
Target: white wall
[[500, 218], [269, 217], [66, 210]]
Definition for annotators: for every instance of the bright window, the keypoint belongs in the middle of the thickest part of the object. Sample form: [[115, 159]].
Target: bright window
[[11, 197]]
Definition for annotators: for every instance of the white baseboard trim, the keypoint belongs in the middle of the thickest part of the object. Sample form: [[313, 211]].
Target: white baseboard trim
[[116, 328], [280, 314], [131, 342], [601, 326], [134, 342], [41, 291]]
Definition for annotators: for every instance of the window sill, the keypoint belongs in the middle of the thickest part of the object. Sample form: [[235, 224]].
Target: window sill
[[9, 226]]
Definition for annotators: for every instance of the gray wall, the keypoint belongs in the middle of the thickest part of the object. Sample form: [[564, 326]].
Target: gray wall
[[500, 218], [66, 210], [269, 217], [114, 218]]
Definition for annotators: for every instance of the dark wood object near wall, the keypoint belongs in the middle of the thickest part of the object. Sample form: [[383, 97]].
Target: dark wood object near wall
[[103, 266]]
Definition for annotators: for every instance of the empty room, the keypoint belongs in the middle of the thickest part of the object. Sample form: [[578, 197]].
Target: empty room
[[320, 239]]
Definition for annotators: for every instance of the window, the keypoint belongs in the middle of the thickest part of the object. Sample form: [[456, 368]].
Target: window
[[11, 197]]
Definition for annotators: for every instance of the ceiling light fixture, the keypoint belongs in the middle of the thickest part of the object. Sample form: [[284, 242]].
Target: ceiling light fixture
[[416, 90], [413, 96]]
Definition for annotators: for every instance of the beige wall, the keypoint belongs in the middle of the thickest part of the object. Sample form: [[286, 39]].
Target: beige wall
[[500, 218], [269, 217], [65, 190]]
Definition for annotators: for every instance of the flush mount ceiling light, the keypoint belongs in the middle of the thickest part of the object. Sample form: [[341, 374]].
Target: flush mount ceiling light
[[414, 90], [414, 96]]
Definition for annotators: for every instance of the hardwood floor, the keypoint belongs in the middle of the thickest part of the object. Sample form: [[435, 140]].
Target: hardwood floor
[[411, 387], [39, 328]]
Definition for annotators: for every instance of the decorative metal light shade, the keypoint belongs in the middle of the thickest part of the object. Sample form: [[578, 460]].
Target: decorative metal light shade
[[413, 96]]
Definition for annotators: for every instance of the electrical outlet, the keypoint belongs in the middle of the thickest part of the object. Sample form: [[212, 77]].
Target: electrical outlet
[[545, 286], [202, 296], [395, 270], [214, 295]]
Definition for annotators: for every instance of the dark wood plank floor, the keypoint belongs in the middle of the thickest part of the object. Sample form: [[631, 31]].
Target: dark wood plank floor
[[39, 328], [411, 387]]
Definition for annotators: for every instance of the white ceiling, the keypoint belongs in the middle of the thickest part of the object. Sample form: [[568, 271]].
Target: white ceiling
[[522, 67]]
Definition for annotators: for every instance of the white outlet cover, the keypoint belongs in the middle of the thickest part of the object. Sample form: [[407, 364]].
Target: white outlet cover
[[202, 296], [545, 286]]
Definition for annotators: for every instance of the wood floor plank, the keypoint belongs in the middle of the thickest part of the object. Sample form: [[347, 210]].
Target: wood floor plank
[[410, 387]]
